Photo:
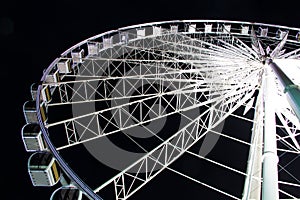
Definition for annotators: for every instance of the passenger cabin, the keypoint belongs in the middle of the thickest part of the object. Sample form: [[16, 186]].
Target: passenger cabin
[[30, 112], [45, 92], [32, 137], [64, 66], [77, 56], [33, 90], [66, 193], [93, 48], [52, 77], [43, 169]]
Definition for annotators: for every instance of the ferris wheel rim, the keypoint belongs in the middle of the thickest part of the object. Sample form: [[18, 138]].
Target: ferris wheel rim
[[44, 129]]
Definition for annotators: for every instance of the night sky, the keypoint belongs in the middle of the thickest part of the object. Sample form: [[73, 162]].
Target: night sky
[[33, 34]]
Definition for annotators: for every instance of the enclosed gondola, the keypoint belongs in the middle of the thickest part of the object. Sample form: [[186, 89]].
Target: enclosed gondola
[[67, 192], [43, 169], [32, 137], [30, 112]]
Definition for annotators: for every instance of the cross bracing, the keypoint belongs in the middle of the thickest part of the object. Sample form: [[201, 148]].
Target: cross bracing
[[161, 75]]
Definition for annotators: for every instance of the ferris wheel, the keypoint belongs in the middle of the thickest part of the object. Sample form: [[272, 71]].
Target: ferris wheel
[[202, 107]]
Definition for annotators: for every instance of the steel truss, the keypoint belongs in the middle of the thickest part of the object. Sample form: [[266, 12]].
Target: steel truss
[[176, 72]]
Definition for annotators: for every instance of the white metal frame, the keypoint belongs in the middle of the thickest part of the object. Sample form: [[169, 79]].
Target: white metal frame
[[221, 64]]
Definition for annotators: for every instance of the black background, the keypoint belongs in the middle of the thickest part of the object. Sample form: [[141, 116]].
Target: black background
[[33, 33]]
